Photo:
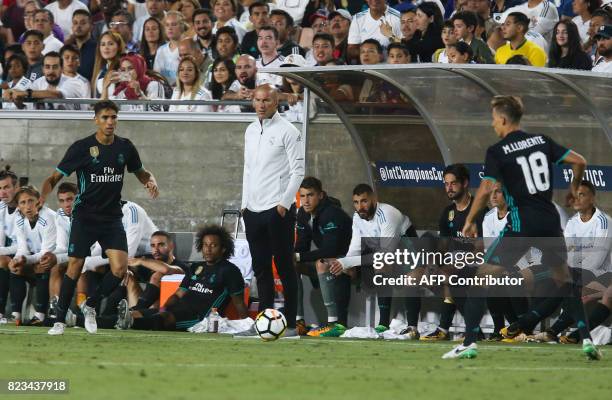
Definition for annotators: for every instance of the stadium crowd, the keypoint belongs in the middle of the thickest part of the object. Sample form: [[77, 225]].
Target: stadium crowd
[[219, 50]]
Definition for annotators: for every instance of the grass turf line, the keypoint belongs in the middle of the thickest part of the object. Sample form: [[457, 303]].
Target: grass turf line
[[173, 365]]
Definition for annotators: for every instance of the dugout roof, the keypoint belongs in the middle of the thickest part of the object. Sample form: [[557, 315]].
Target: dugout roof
[[450, 104]]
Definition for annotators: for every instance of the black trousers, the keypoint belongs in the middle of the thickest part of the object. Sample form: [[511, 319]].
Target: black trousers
[[270, 235]]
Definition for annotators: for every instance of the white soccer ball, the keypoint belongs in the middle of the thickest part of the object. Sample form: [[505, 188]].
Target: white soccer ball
[[270, 324]]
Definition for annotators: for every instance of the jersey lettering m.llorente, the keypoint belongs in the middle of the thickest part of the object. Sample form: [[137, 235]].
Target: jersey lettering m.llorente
[[523, 163], [100, 170]]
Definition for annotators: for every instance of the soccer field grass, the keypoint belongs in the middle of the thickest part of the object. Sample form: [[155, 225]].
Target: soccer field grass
[[169, 365]]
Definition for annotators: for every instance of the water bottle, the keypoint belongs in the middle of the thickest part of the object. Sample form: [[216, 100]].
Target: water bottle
[[213, 321]]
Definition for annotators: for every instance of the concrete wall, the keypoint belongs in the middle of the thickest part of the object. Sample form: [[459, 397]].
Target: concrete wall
[[198, 164]]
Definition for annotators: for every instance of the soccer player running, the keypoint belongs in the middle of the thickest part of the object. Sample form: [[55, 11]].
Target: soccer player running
[[523, 163], [99, 161]]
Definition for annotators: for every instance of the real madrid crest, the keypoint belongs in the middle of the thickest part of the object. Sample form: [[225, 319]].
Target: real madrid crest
[[451, 215], [94, 151], [199, 270]]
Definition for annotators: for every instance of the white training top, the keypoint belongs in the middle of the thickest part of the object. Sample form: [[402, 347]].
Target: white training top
[[22, 84], [295, 8], [51, 44], [138, 229], [71, 88], [167, 62], [543, 17], [62, 227], [583, 28], [363, 27], [604, 66], [273, 164], [201, 94], [387, 222], [34, 242], [589, 243], [7, 230], [492, 226], [63, 17], [273, 79]]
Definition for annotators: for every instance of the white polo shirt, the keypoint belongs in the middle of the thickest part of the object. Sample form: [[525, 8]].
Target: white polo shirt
[[363, 27]]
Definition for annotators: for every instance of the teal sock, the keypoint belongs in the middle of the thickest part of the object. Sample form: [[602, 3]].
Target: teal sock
[[326, 281]]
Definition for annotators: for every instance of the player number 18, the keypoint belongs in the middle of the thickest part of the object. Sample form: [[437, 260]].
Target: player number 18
[[535, 170]]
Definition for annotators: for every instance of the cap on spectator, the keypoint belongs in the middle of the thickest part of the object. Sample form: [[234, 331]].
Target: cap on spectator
[[294, 60], [605, 31], [341, 12], [318, 14]]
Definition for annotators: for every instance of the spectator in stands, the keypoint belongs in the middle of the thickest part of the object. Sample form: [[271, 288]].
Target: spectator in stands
[[410, 34], [122, 23], [137, 8], [82, 39], [167, 57], [429, 23], [32, 244], [518, 60], [71, 60], [465, 25], [63, 11], [293, 92], [322, 49], [448, 38], [32, 47], [225, 12], [259, 17], [52, 85], [108, 8], [13, 18], [514, 29], [318, 22], [152, 39], [398, 54], [566, 48], [584, 10], [190, 86], [223, 76], [155, 9], [604, 48], [499, 6], [108, 54], [267, 44], [187, 8], [202, 24], [339, 25], [283, 22], [541, 14], [188, 47], [133, 83], [460, 53], [247, 79], [371, 24], [43, 21], [17, 66], [295, 9], [600, 17], [226, 44], [370, 53]]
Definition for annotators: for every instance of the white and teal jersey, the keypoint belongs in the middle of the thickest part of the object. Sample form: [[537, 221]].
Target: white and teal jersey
[[589, 243]]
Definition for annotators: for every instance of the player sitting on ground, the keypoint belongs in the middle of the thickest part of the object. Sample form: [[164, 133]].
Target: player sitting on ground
[[36, 238], [589, 242], [9, 183], [162, 263], [372, 219], [323, 231]]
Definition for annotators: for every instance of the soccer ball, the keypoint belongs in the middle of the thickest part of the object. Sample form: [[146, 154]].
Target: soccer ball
[[270, 324]]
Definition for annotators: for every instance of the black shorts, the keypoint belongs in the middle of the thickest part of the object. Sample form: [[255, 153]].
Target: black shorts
[[184, 316], [85, 232]]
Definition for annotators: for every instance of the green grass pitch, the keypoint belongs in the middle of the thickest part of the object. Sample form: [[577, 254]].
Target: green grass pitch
[[172, 365]]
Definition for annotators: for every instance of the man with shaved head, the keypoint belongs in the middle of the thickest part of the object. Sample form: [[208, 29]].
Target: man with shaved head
[[273, 171], [247, 79]]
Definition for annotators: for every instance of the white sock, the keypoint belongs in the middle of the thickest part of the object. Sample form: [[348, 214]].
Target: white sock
[[40, 316], [16, 315], [443, 330], [299, 317], [331, 320]]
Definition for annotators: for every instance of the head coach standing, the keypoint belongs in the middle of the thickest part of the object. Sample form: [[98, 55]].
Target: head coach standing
[[273, 171]]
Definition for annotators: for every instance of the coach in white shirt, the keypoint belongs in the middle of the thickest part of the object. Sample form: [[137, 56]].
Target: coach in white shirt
[[273, 171], [367, 25]]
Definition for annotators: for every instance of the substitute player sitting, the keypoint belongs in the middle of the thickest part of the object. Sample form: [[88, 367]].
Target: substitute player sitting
[[36, 237]]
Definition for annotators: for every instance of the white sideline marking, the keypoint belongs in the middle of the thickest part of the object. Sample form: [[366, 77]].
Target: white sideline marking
[[284, 366]]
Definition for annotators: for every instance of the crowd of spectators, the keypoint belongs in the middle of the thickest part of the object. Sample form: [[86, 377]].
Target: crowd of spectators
[[220, 49]]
